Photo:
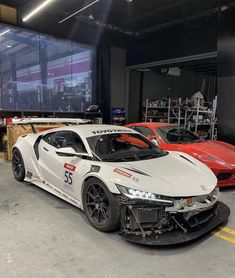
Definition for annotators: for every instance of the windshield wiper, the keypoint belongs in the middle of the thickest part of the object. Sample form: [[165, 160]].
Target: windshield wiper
[[117, 159], [121, 157], [154, 155]]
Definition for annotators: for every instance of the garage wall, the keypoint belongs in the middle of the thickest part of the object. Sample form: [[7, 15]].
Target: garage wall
[[118, 77], [156, 85], [226, 77], [194, 37], [135, 86]]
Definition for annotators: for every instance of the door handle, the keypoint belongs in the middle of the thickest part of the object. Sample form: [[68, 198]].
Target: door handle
[[46, 149]]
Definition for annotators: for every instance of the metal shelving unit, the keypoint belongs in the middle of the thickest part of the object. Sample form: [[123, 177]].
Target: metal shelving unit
[[175, 112], [178, 111], [196, 118], [149, 107], [172, 112]]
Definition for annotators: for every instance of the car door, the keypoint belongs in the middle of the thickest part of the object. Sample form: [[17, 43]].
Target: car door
[[63, 172]]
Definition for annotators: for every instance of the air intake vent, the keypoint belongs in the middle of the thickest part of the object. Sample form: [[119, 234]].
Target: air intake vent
[[224, 176], [186, 159]]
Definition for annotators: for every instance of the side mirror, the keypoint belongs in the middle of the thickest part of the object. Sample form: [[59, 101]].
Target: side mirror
[[68, 151], [153, 139]]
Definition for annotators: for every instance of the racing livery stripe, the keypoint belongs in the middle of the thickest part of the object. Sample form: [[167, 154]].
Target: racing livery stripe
[[111, 131], [123, 173], [70, 167]]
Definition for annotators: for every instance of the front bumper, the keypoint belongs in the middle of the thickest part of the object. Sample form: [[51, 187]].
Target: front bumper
[[180, 234], [227, 183]]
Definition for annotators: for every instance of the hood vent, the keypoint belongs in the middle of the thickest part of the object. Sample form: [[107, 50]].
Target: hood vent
[[137, 171], [187, 159]]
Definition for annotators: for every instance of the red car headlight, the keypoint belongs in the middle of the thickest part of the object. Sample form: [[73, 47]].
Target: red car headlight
[[206, 157]]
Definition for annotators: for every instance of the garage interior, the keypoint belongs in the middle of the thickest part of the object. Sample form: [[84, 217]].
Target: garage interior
[[111, 62]]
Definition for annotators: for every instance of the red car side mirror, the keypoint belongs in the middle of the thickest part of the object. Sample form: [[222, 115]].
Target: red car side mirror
[[153, 139]]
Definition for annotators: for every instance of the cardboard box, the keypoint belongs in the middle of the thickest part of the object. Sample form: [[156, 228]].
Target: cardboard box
[[3, 155], [14, 131]]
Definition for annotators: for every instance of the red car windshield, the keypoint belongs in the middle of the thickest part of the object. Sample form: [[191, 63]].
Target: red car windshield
[[177, 135]]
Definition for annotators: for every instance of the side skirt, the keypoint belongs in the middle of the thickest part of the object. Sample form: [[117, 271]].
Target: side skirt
[[55, 191]]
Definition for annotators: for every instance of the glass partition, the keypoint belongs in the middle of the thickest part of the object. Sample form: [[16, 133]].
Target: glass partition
[[39, 72]]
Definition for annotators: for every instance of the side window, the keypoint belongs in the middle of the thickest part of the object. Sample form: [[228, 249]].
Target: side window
[[146, 131], [63, 139], [49, 137]]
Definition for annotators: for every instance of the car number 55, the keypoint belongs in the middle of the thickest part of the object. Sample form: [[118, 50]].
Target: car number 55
[[68, 177]]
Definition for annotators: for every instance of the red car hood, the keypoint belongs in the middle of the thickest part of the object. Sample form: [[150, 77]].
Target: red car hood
[[213, 153]]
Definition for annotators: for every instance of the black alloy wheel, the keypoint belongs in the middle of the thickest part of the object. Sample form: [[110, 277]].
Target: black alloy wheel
[[101, 206], [18, 165]]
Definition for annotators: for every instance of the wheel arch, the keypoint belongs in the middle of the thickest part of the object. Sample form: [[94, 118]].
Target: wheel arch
[[110, 185], [113, 214]]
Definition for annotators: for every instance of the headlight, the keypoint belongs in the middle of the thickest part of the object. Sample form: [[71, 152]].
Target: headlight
[[210, 158], [206, 157], [142, 195]]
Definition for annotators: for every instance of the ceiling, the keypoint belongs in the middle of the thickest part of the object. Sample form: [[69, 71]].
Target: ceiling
[[136, 18], [204, 66]]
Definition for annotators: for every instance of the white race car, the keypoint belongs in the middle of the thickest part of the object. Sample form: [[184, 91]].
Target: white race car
[[122, 180]]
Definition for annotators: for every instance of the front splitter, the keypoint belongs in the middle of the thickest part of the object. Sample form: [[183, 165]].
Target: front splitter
[[222, 213]]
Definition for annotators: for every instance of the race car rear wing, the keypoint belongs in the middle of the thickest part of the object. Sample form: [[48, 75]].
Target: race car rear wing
[[32, 121]]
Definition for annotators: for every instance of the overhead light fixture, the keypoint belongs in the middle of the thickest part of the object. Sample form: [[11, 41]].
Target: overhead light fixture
[[82, 9], [144, 70], [224, 8], [37, 9], [4, 32], [91, 17], [129, 1]]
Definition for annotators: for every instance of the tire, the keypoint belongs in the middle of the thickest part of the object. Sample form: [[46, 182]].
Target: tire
[[101, 207], [18, 167]]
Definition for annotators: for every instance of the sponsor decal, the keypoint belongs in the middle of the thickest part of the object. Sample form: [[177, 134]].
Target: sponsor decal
[[203, 187], [111, 131], [68, 178], [123, 173], [29, 175], [70, 167], [135, 179], [68, 175]]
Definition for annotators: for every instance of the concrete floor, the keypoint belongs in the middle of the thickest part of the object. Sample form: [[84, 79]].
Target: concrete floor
[[43, 236]]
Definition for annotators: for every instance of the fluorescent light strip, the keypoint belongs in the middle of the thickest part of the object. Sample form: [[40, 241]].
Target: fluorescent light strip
[[8, 30], [92, 3], [36, 10]]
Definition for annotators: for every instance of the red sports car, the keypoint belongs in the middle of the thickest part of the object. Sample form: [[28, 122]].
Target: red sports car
[[219, 156]]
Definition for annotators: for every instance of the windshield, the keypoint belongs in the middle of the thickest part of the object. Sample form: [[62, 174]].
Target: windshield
[[177, 135], [123, 147]]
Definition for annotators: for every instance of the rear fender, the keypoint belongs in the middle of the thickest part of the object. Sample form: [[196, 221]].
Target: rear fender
[[25, 145]]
